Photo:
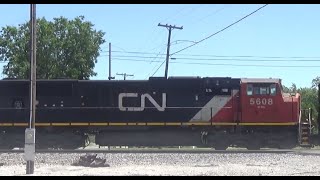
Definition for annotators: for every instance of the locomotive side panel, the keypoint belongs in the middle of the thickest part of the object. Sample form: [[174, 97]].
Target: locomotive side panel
[[72, 101], [56, 102], [14, 102], [172, 100]]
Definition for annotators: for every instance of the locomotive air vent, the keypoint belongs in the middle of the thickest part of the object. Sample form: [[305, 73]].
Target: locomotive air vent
[[208, 90], [224, 90]]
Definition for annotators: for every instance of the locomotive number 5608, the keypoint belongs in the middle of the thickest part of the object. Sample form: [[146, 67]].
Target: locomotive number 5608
[[261, 101]]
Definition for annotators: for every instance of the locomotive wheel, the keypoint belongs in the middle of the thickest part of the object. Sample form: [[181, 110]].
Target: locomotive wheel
[[287, 143], [221, 146], [86, 141], [7, 146], [287, 146], [253, 146]]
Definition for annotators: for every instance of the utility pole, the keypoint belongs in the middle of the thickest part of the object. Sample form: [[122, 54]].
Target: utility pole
[[110, 63], [124, 75], [29, 149], [169, 27]]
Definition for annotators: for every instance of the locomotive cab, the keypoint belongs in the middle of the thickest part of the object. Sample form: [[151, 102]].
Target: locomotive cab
[[264, 103]]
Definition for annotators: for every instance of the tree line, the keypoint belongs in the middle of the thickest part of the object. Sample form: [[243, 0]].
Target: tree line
[[65, 49], [309, 97]]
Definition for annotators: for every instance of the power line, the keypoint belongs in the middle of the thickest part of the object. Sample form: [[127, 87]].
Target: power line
[[153, 39], [210, 14], [167, 56], [179, 12], [153, 60], [263, 60], [222, 64], [247, 65], [149, 39], [116, 47], [181, 41], [248, 56], [221, 29], [159, 45], [212, 55], [158, 68], [271, 58], [224, 59]]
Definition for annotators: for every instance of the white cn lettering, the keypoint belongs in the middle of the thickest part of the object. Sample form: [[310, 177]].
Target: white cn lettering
[[121, 96], [143, 102]]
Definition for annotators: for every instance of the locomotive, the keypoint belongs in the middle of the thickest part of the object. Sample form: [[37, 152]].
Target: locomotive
[[217, 112]]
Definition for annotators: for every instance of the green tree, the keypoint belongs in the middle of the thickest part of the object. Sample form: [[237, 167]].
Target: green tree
[[285, 89], [316, 82], [65, 49], [309, 99], [292, 89]]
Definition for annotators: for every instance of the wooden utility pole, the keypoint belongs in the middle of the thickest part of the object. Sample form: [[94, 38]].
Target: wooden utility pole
[[124, 75], [34, 66], [110, 77], [30, 132], [169, 27]]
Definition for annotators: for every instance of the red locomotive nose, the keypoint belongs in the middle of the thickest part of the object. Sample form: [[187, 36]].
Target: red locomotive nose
[[265, 96]]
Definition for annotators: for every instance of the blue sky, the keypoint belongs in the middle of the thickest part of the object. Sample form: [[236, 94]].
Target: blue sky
[[283, 31]]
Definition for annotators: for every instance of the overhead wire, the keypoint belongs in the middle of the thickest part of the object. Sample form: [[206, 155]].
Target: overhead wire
[[210, 14], [212, 55], [220, 30], [155, 67], [163, 60], [224, 59], [221, 64]]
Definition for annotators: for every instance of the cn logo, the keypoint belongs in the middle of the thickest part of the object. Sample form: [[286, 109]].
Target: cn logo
[[143, 101]]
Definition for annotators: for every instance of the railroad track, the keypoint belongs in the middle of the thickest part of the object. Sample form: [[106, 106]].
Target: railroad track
[[281, 151]]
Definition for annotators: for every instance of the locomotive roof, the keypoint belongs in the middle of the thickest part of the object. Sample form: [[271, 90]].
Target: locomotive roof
[[260, 80], [28, 80], [243, 80]]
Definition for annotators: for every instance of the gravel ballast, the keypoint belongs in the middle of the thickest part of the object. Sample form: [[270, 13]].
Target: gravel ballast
[[132, 164]]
